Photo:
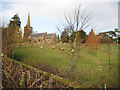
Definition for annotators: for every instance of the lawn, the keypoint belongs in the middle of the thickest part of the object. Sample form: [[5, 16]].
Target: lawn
[[91, 69]]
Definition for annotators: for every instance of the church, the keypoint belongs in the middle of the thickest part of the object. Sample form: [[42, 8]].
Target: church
[[45, 37]]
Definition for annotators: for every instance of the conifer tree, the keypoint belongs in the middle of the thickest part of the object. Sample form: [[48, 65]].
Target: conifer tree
[[16, 24], [10, 34], [15, 21], [92, 41]]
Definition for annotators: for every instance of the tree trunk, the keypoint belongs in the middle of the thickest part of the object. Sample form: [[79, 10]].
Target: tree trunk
[[72, 65], [109, 54]]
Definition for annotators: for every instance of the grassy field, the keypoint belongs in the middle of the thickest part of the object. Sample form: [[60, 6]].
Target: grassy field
[[90, 69]]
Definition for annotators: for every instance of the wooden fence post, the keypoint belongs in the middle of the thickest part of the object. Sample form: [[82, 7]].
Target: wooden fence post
[[105, 85], [28, 78]]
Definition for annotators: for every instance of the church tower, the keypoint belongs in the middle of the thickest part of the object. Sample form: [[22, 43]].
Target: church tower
[[27, 29]]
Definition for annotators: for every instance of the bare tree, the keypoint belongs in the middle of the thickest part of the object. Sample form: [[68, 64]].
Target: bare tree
[[76, 21], [3, 22]]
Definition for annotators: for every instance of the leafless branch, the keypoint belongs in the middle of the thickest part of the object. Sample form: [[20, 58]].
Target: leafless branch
[[75, 21]]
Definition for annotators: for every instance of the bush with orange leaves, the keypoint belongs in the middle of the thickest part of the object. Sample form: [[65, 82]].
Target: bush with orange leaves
[[92, 41]]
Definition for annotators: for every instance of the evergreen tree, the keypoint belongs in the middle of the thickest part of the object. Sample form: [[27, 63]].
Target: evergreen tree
[[65, 36], [92, 41], [81, 36], [16, 24], [15, 21], [10, 34]]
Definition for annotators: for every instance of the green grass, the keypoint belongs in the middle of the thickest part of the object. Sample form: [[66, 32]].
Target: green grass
[[90, 69]]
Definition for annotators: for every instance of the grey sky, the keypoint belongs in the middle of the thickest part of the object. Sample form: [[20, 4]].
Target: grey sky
[[46, 14]]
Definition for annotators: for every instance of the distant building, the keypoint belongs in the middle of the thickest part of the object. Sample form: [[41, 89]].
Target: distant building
[[38, 37], [43, 38], [49, 38], [27, 29]]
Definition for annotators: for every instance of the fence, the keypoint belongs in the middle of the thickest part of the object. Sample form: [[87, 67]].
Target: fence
[[18, 75]]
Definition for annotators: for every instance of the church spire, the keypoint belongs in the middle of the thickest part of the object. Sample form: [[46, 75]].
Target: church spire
[[27, 29], [28, 22]]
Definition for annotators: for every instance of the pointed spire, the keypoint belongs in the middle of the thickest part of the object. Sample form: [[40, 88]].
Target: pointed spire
[[28, 22], [91, 30]]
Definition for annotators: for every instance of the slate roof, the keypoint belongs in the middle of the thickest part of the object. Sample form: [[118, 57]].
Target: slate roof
[[48, 36], [37, 35]]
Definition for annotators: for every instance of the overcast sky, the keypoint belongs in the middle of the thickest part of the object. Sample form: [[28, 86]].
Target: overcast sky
[[45, 15]]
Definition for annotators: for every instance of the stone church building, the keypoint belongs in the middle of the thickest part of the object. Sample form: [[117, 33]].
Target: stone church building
[[29, 36], [27, 29]]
